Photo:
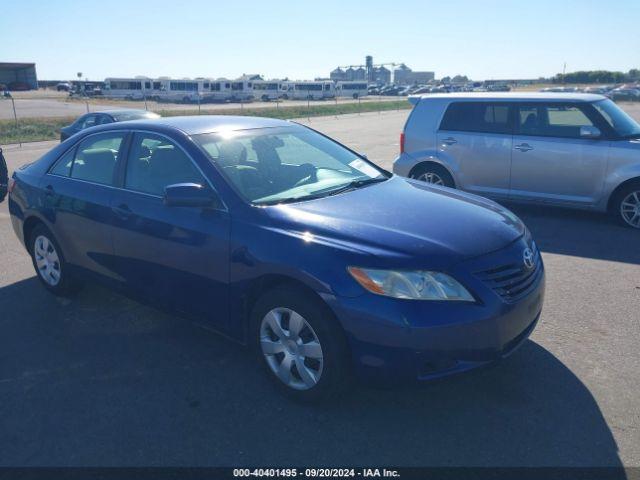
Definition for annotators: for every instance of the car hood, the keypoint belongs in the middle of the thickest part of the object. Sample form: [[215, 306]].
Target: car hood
[[424, 225]]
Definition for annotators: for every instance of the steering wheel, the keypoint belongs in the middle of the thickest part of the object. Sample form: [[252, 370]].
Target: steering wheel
[[310, 174]]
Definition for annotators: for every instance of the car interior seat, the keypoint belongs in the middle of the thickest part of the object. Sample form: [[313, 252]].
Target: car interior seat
[[232, 158], [97, 166]]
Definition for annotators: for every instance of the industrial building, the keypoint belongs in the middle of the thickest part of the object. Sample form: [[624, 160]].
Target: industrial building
[[379, 74], [403, 75], [18, 76]]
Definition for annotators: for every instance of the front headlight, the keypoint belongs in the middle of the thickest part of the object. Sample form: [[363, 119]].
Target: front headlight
[[413, 285]]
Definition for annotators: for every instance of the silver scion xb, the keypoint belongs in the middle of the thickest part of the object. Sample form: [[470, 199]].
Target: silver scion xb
[[566, 149]]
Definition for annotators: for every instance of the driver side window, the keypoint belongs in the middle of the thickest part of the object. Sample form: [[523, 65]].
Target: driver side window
[[155, 162]]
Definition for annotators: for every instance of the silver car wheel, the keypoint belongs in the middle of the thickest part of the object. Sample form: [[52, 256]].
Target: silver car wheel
[[430, 177], [47, 260], [291, 348], [630, 209]]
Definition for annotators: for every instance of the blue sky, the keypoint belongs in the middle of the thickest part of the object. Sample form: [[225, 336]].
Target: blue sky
[[483, 39]]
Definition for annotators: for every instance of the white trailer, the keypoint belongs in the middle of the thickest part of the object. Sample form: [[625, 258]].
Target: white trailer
[[266, 90], [241, 91], [352, 89], [184, 90], [312, 90], [131, 88]]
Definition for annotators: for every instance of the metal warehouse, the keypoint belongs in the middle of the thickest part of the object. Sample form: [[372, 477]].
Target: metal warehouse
[[18, 76]]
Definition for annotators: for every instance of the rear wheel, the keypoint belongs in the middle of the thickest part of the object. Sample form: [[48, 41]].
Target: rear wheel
[[49, 262], [433, 174], [302, 348], [626, 205]]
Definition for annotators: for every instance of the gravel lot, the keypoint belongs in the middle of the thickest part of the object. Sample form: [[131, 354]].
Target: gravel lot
[[102, 380]]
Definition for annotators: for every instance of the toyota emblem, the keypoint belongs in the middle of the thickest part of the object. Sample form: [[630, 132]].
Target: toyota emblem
[[527, 257]]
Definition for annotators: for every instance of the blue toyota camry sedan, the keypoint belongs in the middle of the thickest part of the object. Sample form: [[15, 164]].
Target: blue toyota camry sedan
[[285, 240]]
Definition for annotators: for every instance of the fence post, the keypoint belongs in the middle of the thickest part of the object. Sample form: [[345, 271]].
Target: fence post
[[15, 118], [144, 96], [15, 115], [336, 102], [358, 105], [308, 107], [198, 104]]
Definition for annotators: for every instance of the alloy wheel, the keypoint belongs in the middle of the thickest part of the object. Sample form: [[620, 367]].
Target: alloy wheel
[[47, 260], [291, 348], [430, 177], [630, 209]]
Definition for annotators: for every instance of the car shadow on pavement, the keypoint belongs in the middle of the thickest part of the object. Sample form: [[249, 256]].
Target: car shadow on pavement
[[102, 380], [579, 233]]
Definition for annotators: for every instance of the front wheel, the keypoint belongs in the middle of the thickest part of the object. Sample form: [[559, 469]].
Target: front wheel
[[300, 344], [433, 174], [49, 263], [626, 205]]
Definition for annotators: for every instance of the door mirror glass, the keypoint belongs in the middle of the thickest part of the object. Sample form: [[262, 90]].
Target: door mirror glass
[[587, 131], [189, 195]]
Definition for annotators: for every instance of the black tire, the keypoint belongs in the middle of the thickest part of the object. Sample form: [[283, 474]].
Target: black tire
[[67, 285], [421, 171], [619, 198], [336, 365]]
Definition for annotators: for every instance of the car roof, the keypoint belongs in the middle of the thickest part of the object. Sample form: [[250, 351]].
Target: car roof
[[193, 125], [123, 110], [519, 96]]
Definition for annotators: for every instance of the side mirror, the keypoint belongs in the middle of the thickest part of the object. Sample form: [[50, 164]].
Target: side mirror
[[589, 131], [189, 195]]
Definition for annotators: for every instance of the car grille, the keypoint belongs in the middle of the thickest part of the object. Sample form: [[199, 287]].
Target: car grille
[[513, 281]]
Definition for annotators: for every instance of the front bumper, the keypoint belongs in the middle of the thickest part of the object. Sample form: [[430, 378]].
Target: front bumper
[[394, 339]]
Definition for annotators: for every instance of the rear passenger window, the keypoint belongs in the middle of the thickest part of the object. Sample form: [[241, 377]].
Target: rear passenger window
[[95, 158], [155, 162], [63, 166], [477, 117], [562, 121]]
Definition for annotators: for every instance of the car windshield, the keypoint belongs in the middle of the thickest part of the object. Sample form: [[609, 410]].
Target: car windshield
[[278, 165], [623, 124]]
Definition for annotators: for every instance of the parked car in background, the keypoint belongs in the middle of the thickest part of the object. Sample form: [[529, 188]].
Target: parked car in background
[[425, 89], [572, 150], [625, 94], [498, 88], [63, 87], [255, 227], [4, 177], [390, 90], [101, 118]]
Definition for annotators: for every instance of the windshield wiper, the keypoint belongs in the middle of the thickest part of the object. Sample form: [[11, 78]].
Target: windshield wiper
[[325, 193], [356, 184], [291, 199]]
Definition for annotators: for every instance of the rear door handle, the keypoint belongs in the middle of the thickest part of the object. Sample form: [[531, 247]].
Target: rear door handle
[[122, 211], [449, 141], [523, 147]]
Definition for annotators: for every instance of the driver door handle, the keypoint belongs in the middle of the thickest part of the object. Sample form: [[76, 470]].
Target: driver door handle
[[449, 141], [523, 147]]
